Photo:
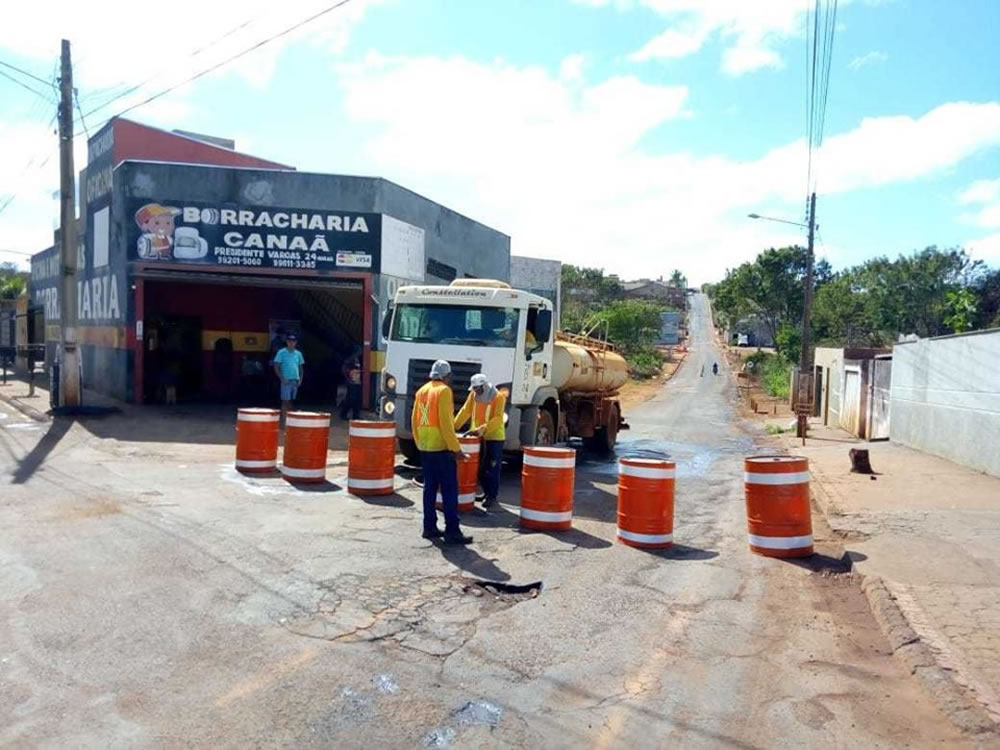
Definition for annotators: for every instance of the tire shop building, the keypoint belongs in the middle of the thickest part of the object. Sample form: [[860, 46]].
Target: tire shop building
[[195, 260]]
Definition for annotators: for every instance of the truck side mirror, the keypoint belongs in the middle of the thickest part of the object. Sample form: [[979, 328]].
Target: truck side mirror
[[543, 326], [387, 321]]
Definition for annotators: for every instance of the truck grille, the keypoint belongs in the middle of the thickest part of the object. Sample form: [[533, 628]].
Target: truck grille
[[419, 373]]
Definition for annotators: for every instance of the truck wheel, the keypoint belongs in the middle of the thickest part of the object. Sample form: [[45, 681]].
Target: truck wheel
[[409, 450], [605, 437], [545, 430]]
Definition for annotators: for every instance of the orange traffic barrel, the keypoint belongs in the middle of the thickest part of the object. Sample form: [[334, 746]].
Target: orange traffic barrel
[[646, 502], [307, 434], [468, 476], [371, 457], [779, 522], [257, 440], [547, 477]]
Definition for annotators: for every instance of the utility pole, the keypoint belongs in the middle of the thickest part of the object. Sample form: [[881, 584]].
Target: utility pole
[[69, 374], [805, 359]]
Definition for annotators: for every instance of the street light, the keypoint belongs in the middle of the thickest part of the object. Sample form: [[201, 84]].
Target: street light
[[805, 360], [782, 221]]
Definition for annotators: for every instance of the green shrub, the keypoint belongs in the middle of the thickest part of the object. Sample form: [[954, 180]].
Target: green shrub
[[644, 362], [775, 374]]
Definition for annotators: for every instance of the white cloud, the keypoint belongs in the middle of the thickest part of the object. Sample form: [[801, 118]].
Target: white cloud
[[562, 167], [571, 68], [985, 196], [981, 191], [870, 59], [749, 29], [986, 248]]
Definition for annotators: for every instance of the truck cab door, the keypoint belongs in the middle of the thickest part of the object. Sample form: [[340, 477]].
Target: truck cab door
[[535, 356]]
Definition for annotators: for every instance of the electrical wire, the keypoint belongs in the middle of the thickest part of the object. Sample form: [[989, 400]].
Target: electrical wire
[[216, 66], [25, 73], [26, 87], [83, 120]]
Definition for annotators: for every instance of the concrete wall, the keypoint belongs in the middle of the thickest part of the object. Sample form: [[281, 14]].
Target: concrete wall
[[832, 362], [538, 276], [945, 398]]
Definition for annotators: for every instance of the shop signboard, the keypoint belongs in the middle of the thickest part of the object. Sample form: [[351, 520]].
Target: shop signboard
[[254, 236]]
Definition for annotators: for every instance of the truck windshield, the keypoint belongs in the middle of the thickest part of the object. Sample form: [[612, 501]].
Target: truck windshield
[[456, 324]]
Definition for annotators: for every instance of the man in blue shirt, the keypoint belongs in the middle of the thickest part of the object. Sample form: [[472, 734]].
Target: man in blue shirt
[[288, 367]]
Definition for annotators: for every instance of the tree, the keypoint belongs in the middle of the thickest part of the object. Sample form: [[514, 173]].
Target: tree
[[771, 288], [961, 304], [678, 279], [12, 281]]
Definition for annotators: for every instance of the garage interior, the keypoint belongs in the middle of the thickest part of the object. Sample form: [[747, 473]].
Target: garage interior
[[211, 339]]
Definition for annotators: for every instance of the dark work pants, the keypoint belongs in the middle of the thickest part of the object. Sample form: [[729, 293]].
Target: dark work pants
[[351, 405], [490, 462], [440, 475]]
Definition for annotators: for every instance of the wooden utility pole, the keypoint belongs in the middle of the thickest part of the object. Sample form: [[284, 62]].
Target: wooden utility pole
[[69, 374], [805, 358]]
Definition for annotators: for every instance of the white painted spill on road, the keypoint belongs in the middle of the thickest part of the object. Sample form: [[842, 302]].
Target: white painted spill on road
[[270, 486]]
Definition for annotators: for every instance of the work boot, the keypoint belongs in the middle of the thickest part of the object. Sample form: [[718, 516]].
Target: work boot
[[432, 534], [489, 503], [481, 497], [457, 538]]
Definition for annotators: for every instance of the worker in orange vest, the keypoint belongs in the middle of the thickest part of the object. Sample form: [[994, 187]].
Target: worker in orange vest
[[485, 407], [434, 433]]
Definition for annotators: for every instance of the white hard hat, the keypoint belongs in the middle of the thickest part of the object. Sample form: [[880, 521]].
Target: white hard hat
[[478, 381], [440, 369]]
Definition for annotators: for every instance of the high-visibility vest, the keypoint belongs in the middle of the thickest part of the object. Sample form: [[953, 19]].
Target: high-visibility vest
[[426, 423], [483, 413]]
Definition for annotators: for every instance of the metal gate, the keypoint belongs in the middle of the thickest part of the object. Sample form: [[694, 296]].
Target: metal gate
[[881, 380], [850, 409]]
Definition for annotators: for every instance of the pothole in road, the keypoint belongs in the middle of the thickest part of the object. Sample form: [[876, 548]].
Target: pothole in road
[[432, 614]]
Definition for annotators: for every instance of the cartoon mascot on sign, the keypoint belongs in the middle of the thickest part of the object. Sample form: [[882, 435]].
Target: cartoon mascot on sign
[[157, 225]]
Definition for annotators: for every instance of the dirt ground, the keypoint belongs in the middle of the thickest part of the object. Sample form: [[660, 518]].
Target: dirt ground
[[755, 401], [637, 391]]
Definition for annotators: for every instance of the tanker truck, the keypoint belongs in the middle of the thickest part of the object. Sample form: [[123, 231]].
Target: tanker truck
[[558, 385]]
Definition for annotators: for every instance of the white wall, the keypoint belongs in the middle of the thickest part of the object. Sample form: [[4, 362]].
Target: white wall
[[945, 398], [539, 276]]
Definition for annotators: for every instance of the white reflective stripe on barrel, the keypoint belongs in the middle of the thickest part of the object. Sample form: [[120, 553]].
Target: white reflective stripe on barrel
[[645, 538], [303, 473], [241, 417], [293, 422], [798, 477], [646, 472], [549, 463], [241, 464], [780, 542], [372, 432], [470, 447], [369, 484], [540, 515]]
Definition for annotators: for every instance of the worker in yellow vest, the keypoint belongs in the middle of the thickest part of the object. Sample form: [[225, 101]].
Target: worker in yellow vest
[[485, 406], [434, 433]]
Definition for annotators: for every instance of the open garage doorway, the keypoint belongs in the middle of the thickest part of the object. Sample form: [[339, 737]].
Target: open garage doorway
[[212, 339]]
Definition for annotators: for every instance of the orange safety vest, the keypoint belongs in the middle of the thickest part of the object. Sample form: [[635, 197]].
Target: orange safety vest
[[483, 413], [426, 419]]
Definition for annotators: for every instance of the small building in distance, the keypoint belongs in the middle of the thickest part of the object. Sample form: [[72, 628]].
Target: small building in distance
[[655, 290]]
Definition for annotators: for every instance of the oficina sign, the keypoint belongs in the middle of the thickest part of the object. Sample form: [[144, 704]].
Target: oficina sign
[[255, 237]]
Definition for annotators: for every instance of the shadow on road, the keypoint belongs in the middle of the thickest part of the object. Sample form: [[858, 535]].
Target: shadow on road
[[502, 518], [316, 487], [681, 552], [820, 563], [472, 562], [28, 465], [394, 500]]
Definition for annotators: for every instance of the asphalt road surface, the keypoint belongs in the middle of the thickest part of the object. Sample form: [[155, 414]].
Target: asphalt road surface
[[152, 597]]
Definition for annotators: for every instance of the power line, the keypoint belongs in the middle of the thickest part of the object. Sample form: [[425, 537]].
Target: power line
[[83, 121], [25, 73], [220, 64], [25, 86]]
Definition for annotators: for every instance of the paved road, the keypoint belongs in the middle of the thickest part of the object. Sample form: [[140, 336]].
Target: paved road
[[151, 597]]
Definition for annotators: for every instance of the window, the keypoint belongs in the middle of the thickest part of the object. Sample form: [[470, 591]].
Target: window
[[456, 324]]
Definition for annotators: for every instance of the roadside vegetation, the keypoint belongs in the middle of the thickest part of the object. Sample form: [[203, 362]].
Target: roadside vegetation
[[12, 281], [931, 292], [595, 302]]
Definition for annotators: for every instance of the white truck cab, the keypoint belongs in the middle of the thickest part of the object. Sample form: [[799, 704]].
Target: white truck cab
[[476, 325]]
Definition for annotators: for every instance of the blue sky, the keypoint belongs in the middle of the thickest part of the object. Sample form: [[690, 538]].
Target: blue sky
[[634, 135]]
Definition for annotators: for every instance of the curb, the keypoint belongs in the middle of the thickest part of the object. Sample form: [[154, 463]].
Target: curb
[[28, 411], [942, 682]]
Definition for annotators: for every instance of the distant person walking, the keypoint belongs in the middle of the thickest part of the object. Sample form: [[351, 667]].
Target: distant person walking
[[715, 368], [352, 379], [434, 431], [485, 407], [288, 364]]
